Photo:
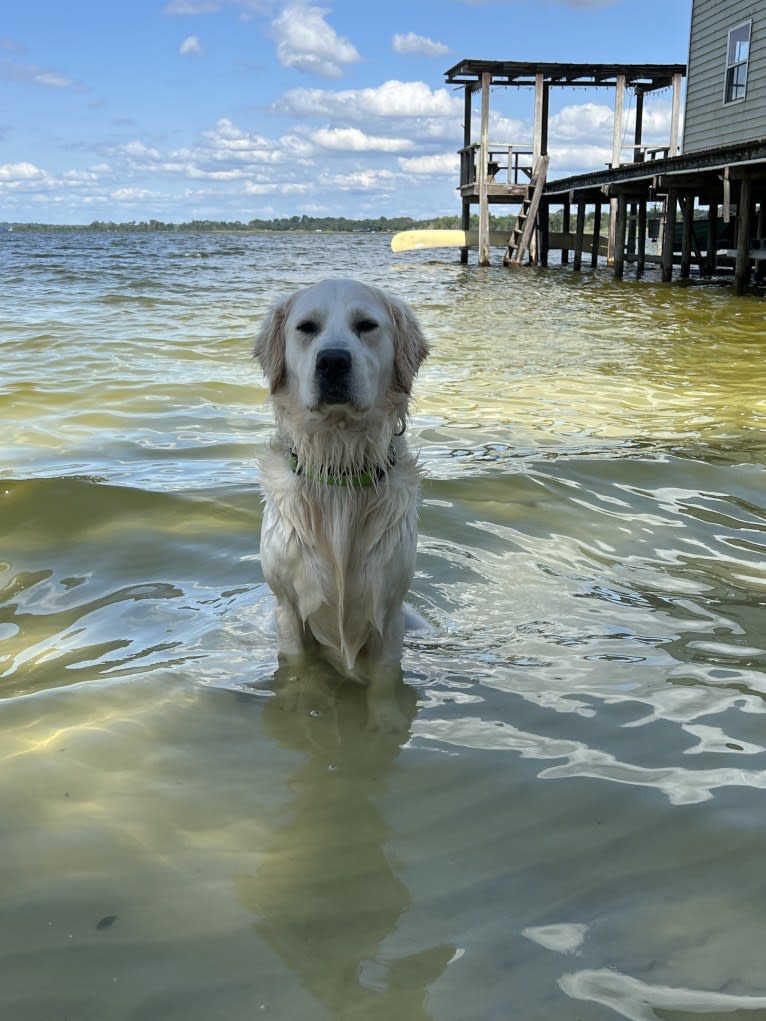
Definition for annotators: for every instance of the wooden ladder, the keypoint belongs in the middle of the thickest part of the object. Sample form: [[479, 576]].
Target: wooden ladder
[[521, 235]]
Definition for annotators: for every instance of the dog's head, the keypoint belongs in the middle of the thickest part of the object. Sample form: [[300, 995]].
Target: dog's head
[[341, 346]]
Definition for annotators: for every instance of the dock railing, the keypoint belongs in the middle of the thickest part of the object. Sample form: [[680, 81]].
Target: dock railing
[[507, 163], [643, 153]]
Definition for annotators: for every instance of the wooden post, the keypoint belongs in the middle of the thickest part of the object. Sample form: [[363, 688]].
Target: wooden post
[[675, 115], [545, 232], [632, 227], [760, 228], [687, 209], [712, 243], [539, 127], [639, 124], [742, 265], [619, 99], [596, 235], [668, 235], [566, 223], [482, 172], [641, 238], [544, 119], [619, 235], [465, 223], [726, 211], [579, 232], [465, 219]]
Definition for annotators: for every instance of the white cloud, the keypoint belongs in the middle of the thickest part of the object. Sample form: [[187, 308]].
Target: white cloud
[[582, 121], [190, 47], [275, 188], [138, 151], [580, 158], [580, 135], [362, 180], [132, 194], [307, 43], [440, 164], [391, 99], [18, 173], [32, 75], [418, 45], [226, 141], [354, 140], [78, 177]]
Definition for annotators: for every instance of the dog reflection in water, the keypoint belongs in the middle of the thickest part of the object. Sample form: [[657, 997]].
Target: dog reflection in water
[[326, 897]]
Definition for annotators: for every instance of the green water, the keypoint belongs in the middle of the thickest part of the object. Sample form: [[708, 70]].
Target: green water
[[574, 826]]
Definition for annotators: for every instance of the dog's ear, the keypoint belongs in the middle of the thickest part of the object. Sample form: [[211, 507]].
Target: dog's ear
[[410, 344], [270, 344]]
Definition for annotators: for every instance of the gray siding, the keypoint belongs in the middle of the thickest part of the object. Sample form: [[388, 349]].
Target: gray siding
[[708, 120]]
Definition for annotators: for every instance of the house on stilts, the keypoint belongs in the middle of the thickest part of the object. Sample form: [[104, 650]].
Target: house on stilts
[[711, 192]]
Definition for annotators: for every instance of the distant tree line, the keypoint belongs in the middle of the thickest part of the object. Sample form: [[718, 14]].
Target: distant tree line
[[309, 224]]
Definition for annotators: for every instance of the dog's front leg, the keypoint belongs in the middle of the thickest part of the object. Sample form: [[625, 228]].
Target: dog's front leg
[[386, 690], [293, 637]]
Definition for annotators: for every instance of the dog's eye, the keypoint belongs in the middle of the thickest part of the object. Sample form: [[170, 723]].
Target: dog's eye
[[366, 326], [308, 328]]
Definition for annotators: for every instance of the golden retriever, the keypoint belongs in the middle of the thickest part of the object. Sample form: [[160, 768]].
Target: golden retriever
[[340, 483]]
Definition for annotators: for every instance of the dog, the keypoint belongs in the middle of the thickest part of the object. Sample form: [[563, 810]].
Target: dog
[[339, 482]]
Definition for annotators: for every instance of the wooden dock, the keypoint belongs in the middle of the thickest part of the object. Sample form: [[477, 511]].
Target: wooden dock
[[724, 185], [492, 173], [729, 181]]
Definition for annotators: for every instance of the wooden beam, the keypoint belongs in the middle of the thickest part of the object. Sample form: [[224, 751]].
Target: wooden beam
[[545, 227], [687, 210], [639, 125], [611, 232], [619, 236], [619, 101], [742, 264], [465, 223], [544, 120], [675, 115], [465, 218], [566, 226], [632, 227], [641, 238], [537, 138], [481, 172], [712, 229], [596, 234], [467, 111], [671, 202], [579, 232]]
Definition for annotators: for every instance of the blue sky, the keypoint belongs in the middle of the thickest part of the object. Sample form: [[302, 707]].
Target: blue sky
[[237, 109]]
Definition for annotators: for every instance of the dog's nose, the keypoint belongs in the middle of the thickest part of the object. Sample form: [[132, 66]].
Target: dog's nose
[[333, 362]]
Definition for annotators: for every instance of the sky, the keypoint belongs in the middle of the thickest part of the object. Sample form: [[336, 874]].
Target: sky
[[177, 110]]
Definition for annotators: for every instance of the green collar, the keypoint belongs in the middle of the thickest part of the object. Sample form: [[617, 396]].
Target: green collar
[[360, 480]]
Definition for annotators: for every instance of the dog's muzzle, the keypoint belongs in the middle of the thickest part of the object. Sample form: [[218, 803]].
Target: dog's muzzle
[[333, 375]]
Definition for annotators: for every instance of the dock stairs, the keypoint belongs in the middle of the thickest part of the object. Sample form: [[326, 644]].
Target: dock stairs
[[521, 236]]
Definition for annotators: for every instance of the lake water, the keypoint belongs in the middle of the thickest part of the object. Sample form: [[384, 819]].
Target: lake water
[[574, 826]]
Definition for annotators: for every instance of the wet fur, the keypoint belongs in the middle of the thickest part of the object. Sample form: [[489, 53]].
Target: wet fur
[[340, 559]]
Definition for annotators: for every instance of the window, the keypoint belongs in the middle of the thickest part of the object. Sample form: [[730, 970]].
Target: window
[[737, 57]]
